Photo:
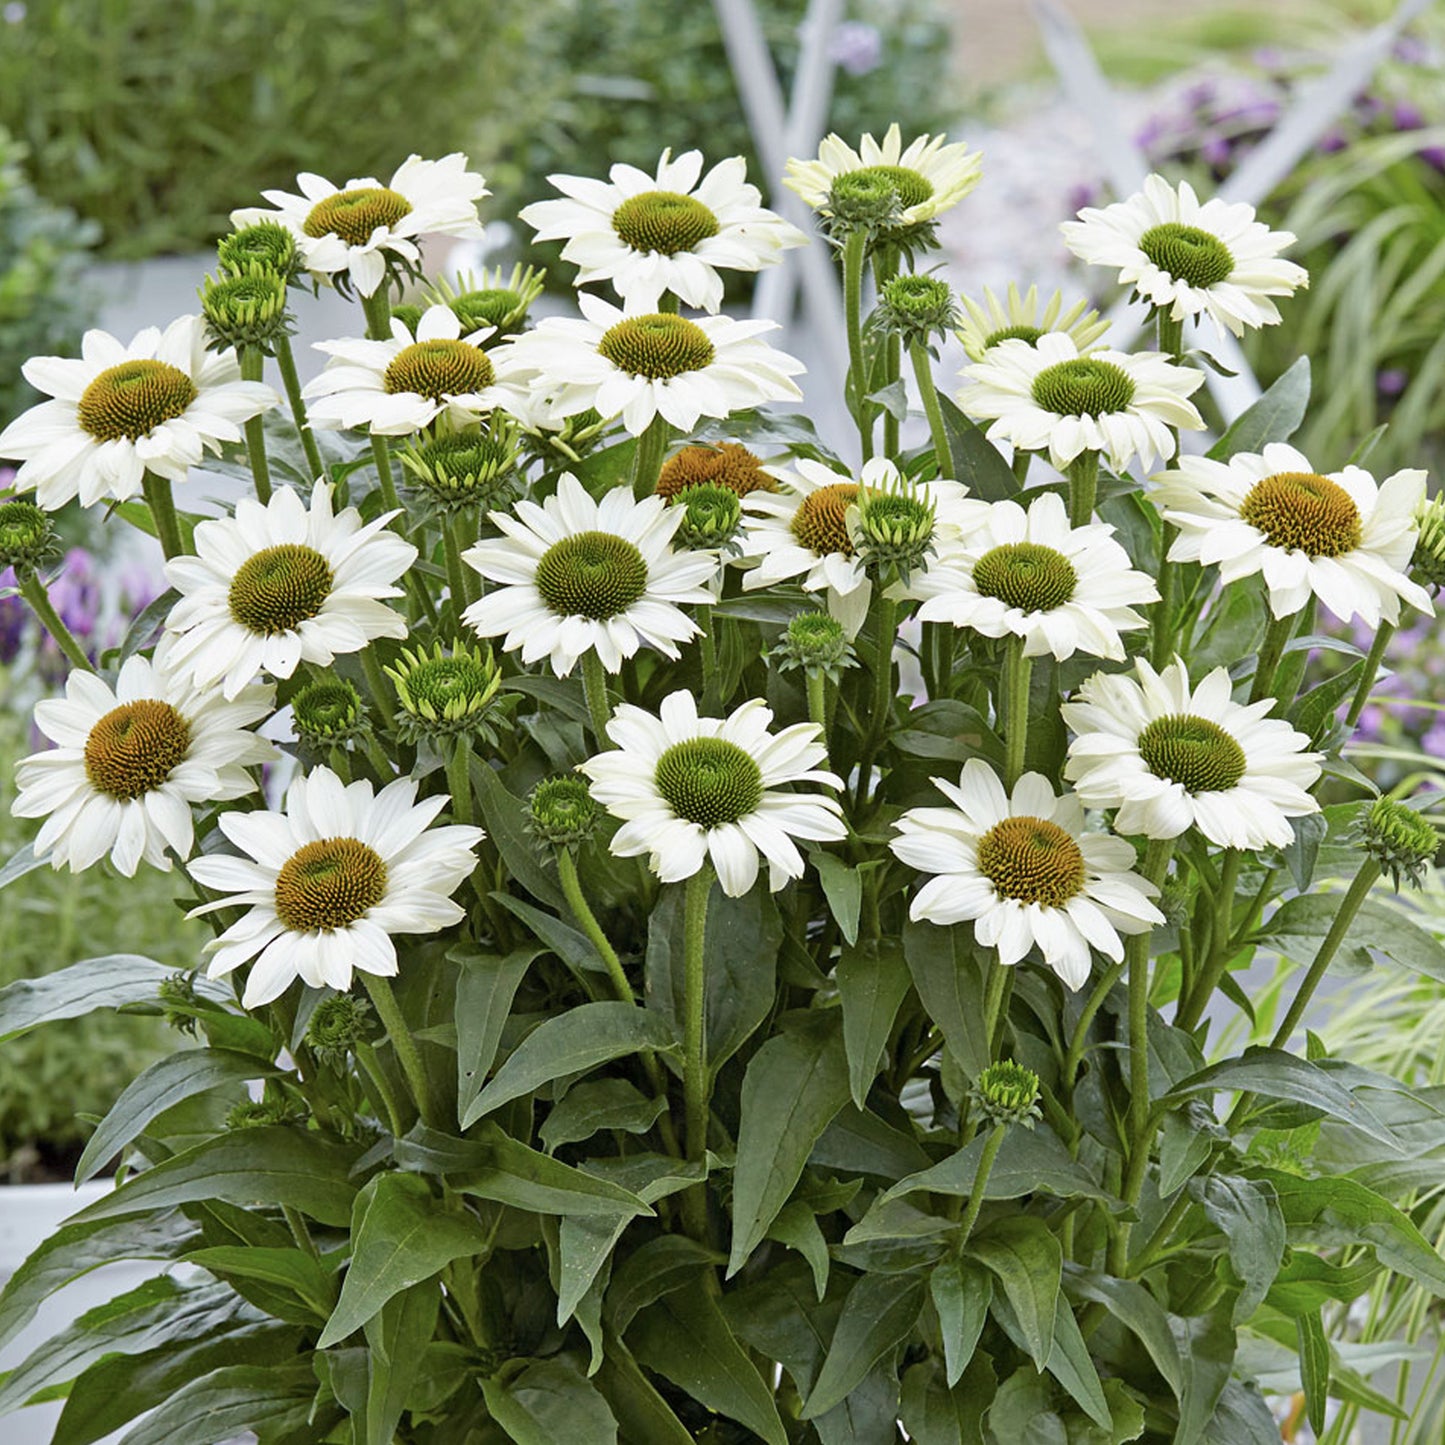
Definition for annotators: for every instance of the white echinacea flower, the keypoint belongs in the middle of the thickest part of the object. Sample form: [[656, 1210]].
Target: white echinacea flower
[[277, 585], [399, 386], [158, 405], [1170, 757], [578, 575], [1030, 574], [1188, 258], [350, 231], [692, 789], [1050, 396], [1022, 870], [329, 881], [1341, 537], [1019, 318], [131, 761], [639, 365], [670, 232]]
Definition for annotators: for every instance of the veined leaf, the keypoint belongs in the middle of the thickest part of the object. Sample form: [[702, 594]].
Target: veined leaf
[[949, 977], [486, 986], [1275, 417], [270, 1400], [1026, 1260], [872, 983], [878, 1316], [547, 1402], [396, 1340]]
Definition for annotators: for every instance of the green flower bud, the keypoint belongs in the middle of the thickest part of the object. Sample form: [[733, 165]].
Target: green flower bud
[[1400, 840], [570, 439], [245, 308], [712, 515], [1008, 1093], [864, 199], [1428, 561], [408, 314], [561, 812], [893, 529], [329, 714], [492, 299], [816, 642], [458, 470], [27, 537], [337, 1025], [448, 696], [179, 1001], [266, 245], [916, 307], [257, 1113]]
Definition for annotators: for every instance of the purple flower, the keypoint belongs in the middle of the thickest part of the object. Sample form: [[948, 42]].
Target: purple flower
[[1408, 116], [1085, 193], [1410, 50], [1392, 380], [75, 594], [1433, 743], [1332, 141], [1216, 152], [1200, 94], [857, 47], [14, 619], [1433, 155]]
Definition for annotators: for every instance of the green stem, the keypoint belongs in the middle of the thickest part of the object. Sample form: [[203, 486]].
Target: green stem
[[1083, 488], [1021, 465], [299, 1231], [381, 455], [1017, 670], [572, 892], [407, 1053], [885, 268], [163, 513], [923, 372], [1094, 1003], [708, 648], [1161, 651], [1171, 334], [695, 1064], [286, 360], [459, 779], [378, 314], [376, 682], [980, 1182], [854, 251], [887, 622], [33, 591], [456, 570], [253, 368], [366, 1057], [818, 701], [594, 685], [647, 459], [1221, 949], [1276, 635], [1367, 677], [995, 1006]]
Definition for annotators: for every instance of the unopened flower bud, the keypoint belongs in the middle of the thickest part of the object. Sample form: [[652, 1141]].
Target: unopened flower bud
[[27, 537], [409, 314], [445, 695], [916, 307], [245, 308], [1008, 1093], [493, 299], [329, 714], [712, 516], [561, 812], [893, 529], [466, 469], [337, 1025], [265, 246], [1400, 840], [1428, 561], [816, 642]]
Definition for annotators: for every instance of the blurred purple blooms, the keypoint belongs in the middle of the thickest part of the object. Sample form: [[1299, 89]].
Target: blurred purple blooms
[[857, 47]]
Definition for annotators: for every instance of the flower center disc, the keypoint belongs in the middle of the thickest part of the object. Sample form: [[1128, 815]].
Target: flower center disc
[[821, 524], [1303, 511], [354, 215], [1188, 254], [1032, 860], [135, 747], [1193, 752], [911, 188], [329, 884], [657, 346], [132, 399], [594, 574], [729, 465], [278, 588], [663, 221], [442, 680], [1027, 576], [1083, 387], [709, 781], [1012, 333], [438, 369]]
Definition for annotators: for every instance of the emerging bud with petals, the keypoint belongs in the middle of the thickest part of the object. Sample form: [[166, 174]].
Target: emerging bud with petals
[[816, 642], [459, 470], [561, 812], [245, 308], [1428, 561], [448, 696], [892, 529], [1400, 840]]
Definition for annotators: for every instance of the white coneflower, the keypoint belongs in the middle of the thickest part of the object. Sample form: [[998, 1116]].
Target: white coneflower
[[1019, 318], [671, 232], [692, 789], [131, 762], [1340, 537], [1170, 756], [158, 405], [580, 576], [278, 585], [329, 881], [1024, 872], [1188, 258]]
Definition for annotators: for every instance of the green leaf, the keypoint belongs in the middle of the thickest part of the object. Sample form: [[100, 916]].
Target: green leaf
[[396, 1340], [961, 1294], [975, 460], [1246, 1211], [843, 888], [572, 947], [872, 983], [641, 1412], [507, 1171], [571, 1043], [291, 1269], [503, 812], [670, 1262], [1305, 1282], [859, 1142], [74, 1249], [948, 975], [1025, 1258], [797, 1227], [1022, 1413], [878, 1316], [1275, 417], [273, 1401], [1029, 1161], [165, 1083], [109, 982], [587, 1109], [547, 1402], [740, 956], [1280, 1075], [793, 1087], [1140, 1313], [1206, 1348], [23, 862], [486, 985], [270, 1164], [1071, 1365], [935, 1413], [684, 1337], [1314, 1367], [400, 1235], [1378, 925]]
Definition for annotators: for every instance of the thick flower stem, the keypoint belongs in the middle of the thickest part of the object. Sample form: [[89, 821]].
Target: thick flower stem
[[1021, 465], [286, 360], [707, 645], [409, 1057], [459, 779], [695, 1064], [1083, 488], [1276, 636], [1161, 647], [33, 591], [381, 455], [376, 682], [456, 570], [818, 701], [253, 368], [923, 372], [647, 459], [163, 514], [885, 268], [1367, 677], [854, 250], [582, 910], [980, 1183], [1171, 334], [594, 685], [1191, 1009], [1094, 1003], [998, 991], [378, 314], [887, 621], [1017, 670]]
